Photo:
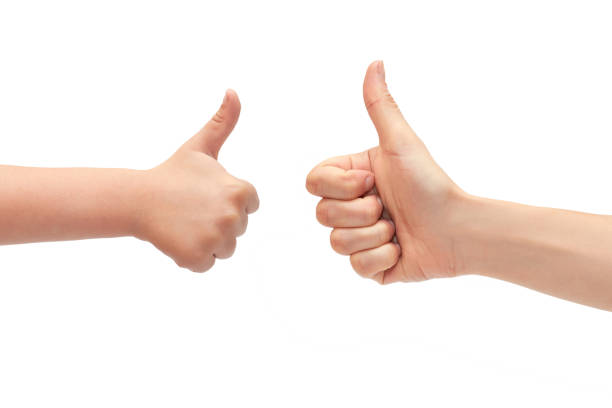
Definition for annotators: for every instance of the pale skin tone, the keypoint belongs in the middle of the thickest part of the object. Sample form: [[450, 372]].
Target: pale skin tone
[[438, 230], [392, 209], [189, 207]]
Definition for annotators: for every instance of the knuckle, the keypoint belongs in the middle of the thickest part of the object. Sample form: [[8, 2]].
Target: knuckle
[[244, 225], [239, 192], [245, 194], [188, 261], [232, 244], [202, 263], [227, 249], [247, 188], [200, 268], [228, 220], [205, 265], [255, 204], [181, 262], [244, 221], [231, 247], [254, 197], [185, 256], [193, 255]]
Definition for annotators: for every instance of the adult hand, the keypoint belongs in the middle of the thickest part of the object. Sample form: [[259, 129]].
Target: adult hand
[[399, 176]]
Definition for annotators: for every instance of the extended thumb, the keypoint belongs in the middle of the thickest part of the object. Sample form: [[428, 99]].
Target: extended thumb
[[393, 130], [212, 136]]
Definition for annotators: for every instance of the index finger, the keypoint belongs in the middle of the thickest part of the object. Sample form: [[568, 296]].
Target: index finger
[[334, 182]]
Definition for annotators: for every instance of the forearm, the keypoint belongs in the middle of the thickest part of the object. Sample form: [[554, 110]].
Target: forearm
[[42, 204], [563, 253]]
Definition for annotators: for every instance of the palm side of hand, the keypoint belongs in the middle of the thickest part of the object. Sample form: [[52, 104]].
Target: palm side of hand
[[415, 192]]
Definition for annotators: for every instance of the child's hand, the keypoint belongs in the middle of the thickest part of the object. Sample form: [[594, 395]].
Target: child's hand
[[415, 192], [193, 209]]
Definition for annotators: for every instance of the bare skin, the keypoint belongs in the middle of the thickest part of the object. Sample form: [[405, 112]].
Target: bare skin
[[437, 230], [189, 207]]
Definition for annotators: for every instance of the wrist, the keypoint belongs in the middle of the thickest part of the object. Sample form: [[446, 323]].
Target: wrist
[[493, 237], [473, 223], [132, 216]]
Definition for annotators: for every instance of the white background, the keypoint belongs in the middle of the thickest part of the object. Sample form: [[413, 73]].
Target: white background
[[512, 98]]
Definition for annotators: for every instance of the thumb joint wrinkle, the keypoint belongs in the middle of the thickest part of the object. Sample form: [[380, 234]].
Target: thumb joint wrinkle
[[384, 97], [373, 102], [217, 118]]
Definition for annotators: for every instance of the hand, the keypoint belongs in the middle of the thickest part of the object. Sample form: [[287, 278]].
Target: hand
[[400, 177], [193, 209]]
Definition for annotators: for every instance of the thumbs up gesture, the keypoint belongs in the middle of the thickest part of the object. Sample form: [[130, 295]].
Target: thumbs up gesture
[[390, 206], [193, 209]]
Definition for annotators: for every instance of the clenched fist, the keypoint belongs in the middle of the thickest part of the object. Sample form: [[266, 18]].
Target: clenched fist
[[193, 209], [388, 206]]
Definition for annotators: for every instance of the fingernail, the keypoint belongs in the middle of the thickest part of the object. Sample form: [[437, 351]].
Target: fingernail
[[369, 182], [379, 200], [380, 69]]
